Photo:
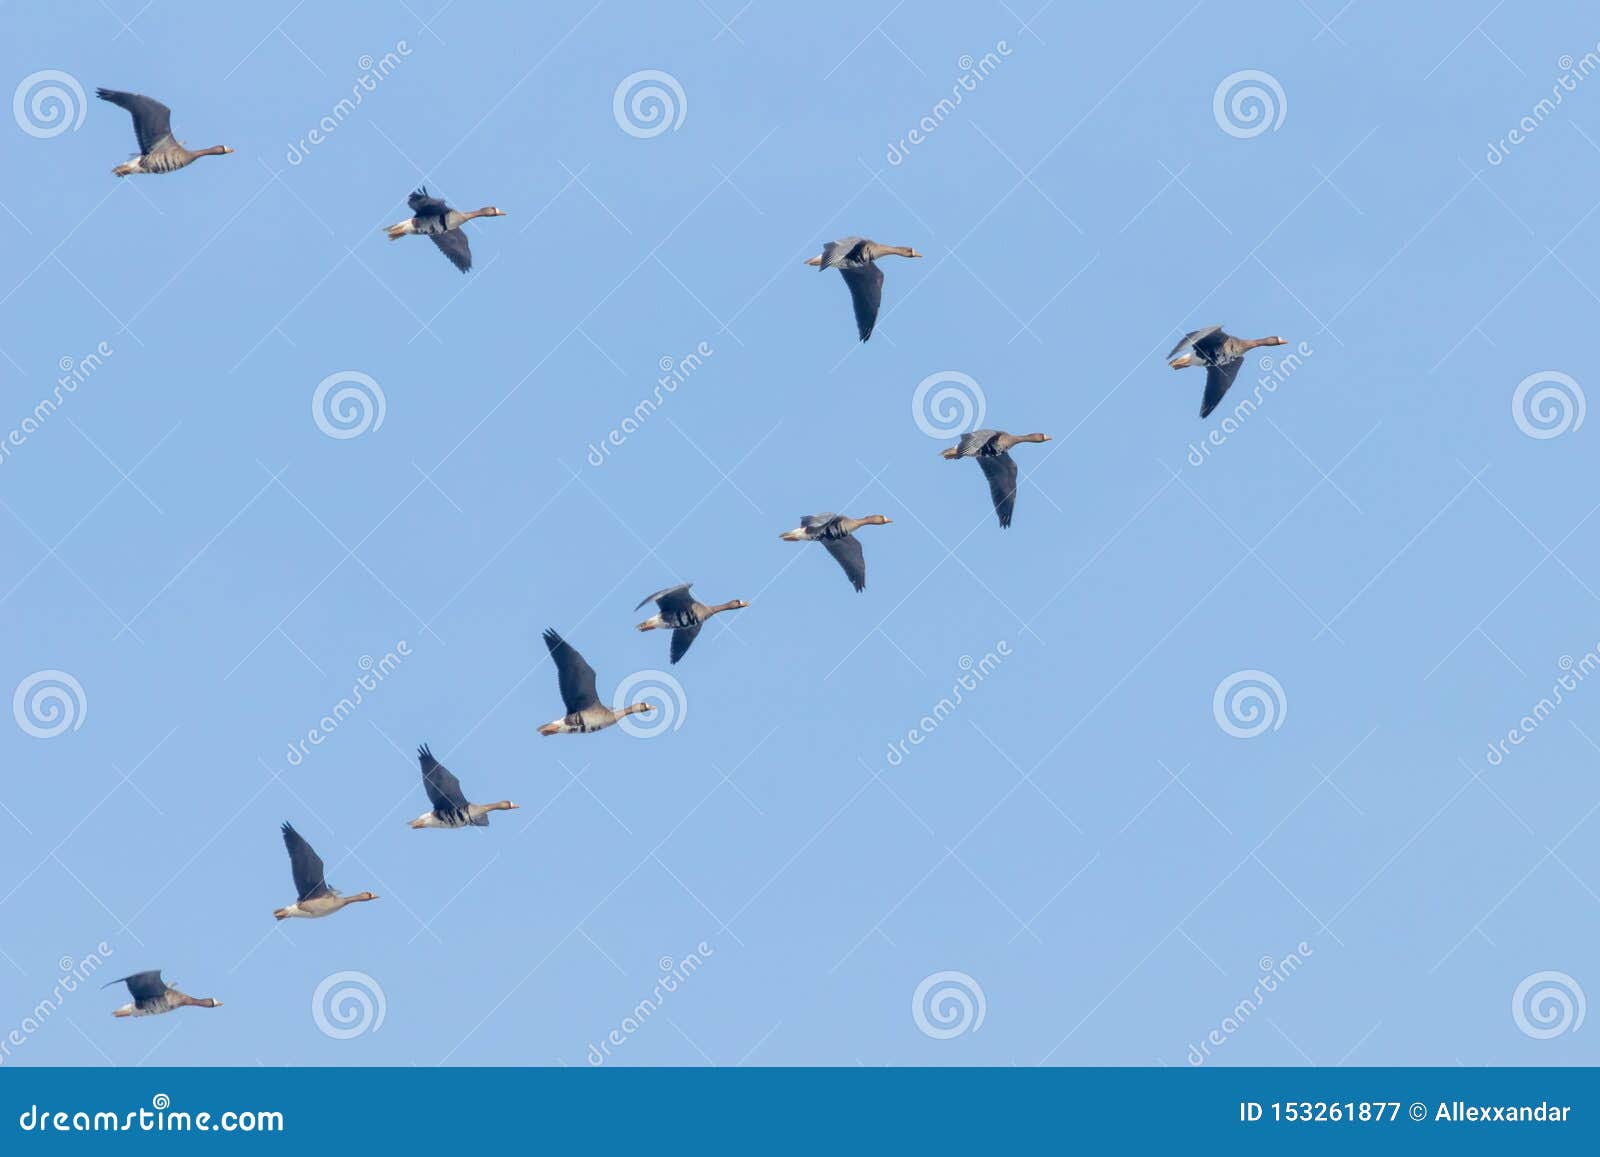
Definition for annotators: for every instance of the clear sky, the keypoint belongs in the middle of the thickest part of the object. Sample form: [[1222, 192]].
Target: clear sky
[[1111, 866]]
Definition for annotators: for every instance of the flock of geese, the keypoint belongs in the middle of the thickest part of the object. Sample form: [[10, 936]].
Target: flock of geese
[[856, 259]]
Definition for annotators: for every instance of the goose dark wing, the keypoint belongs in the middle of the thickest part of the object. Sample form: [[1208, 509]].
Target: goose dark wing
[[681, 638], [152, 120], [305, 865], [846, 551], [817, 521], [866, 294], [974, 442], [453, 244], [1218, 379], [424, 205], [1194, 336], [670, 599], [142, 986], [443, 788], [1001, 471], [575, 677]]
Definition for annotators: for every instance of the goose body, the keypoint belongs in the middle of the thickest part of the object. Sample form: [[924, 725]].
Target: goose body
[[837, 533], [1222, 354], [433, 219], [856, 259], [992, 449], [313, 897], [584, 711], [159, 152], [153, 996], [683, 615], [450, 806]]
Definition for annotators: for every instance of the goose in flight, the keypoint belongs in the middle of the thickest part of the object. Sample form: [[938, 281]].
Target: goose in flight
[[450, 806], [992, 449], [584, 711], [434, 219], [313, 897], [152, 126], [1222, 354], [856, 259], [683, 614], [153, 996], [837, 533]]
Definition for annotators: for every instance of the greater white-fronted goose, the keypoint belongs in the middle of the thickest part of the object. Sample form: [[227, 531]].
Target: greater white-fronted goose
[[856, 259], [837, 533], [436, 220], [153, 996], [585, 712], [1222, 354], [992, 450], [152, 125], [450, 806], [313, 897], [683, 614]]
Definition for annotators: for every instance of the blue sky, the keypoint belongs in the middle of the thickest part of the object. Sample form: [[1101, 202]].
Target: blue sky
[[1081, 838]]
